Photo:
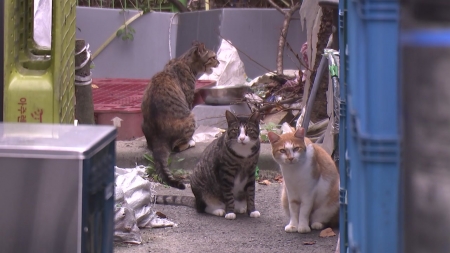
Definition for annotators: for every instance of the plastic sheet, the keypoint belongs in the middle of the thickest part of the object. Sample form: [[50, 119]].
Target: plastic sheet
[[206, 133], [133, 205], [43, 23], [231, 69], [125, 227]]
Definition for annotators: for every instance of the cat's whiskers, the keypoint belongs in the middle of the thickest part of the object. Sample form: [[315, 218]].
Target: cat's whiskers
[[237, 141]]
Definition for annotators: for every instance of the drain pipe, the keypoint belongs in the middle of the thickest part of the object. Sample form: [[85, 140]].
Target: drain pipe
[[312, 96]]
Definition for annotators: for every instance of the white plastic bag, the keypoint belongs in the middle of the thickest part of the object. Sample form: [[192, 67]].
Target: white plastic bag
[[231, 69], [133, 205], [43, 23]]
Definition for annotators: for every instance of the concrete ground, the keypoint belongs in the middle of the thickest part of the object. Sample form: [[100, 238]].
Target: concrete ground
[[206, 233]]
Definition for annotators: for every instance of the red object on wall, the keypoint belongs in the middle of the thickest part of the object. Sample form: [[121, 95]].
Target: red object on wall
[[117, 101]]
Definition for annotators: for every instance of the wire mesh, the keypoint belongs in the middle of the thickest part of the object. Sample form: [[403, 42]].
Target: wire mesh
[[123, 4]]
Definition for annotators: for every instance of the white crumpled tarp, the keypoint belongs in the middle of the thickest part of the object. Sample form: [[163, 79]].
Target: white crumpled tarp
[[133, 205], [310, 18], [43, 23], [231, 69], [206, 133]]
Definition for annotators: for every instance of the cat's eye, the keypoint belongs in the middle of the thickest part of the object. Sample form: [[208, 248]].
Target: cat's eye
[[233, 131], [296, 149], [282, 151]]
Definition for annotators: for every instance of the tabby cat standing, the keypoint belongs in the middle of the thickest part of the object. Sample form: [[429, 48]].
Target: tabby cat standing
[[168, 123]]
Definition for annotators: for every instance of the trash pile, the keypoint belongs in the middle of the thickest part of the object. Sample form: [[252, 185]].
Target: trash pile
[[307, 96], [278, 97], [133, 205]]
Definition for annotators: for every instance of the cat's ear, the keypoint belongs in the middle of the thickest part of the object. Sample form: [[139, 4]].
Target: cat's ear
[[273, 137], [201, 50], [255, 117], [300, 133], [230, 117]]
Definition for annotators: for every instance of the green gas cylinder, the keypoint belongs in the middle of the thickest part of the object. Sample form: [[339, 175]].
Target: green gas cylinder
[[39, 82]]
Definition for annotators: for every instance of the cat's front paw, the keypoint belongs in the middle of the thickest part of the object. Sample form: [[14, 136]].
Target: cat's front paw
[[255, 214], [317, 225], [191, 144], [290, 228], [304, 229], [219, 212], [230, 216]]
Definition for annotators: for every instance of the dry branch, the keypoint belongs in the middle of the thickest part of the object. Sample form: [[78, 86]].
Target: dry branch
[[282, 41], [286, 101]]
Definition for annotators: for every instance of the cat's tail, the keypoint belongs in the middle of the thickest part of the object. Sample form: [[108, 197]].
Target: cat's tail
[[188, 201], [161, 155]]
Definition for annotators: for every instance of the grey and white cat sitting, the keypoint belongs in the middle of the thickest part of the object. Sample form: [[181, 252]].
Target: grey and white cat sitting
[[310, 192], [223, 181]]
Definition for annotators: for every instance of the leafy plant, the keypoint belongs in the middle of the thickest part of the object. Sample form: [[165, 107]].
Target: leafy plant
[[151, 170], [144, 7], [265, 128], [126, 33], [257, 173], [269, 126]]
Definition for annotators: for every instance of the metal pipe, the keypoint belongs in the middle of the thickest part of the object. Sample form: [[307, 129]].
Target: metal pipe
[[312, 96]]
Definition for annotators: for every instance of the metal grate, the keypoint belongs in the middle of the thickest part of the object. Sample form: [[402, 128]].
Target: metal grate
[[119, 4], [144, 5], [67, 75], [123, 95], [118, 94]]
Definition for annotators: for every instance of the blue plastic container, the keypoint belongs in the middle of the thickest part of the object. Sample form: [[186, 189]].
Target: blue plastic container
[[371, 168], [343, 127]]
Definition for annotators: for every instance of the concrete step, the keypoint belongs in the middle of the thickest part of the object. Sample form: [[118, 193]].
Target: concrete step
[[131, 153]]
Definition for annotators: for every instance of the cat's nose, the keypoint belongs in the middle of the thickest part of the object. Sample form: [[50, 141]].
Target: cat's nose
[[291, 158], [242, 138]]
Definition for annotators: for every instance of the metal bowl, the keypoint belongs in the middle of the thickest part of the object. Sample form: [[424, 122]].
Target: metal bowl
[[223, 95]]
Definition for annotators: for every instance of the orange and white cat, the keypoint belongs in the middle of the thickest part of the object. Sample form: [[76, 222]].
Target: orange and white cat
[[310, 192]]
